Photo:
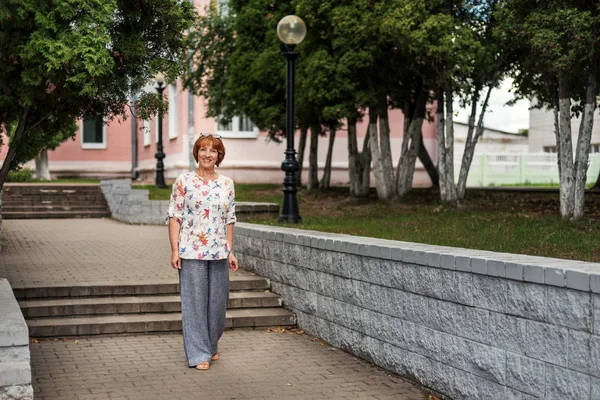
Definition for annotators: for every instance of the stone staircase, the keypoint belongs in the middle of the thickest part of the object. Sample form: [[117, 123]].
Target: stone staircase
[[92, 309], [33, 200]]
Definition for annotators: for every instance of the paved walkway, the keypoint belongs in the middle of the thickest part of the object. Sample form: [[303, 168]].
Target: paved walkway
[[255, 364]]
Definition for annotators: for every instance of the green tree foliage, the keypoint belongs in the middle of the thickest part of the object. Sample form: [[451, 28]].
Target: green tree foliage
[[70, 59]]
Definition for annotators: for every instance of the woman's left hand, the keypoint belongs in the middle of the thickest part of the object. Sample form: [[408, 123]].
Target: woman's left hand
[[233, 262]]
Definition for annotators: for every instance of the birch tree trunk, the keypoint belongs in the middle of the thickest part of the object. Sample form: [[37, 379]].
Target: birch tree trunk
[[380, 149], [472, 140], [326, 179], [386, 149], [448, 189], [359, 163], [411, 143], [301, 148], [42, 171], [441, 138], [565, 154], [583, 142], [313, 167]]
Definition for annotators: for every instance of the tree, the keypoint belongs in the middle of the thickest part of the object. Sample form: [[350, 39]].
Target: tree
[[555, 47], [66, 59]]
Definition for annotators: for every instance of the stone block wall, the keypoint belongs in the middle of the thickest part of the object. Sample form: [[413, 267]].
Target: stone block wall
[[133, 206], [469, 324], [15, 367]]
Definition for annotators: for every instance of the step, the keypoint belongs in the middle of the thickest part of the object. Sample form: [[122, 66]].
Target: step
[[130, 323], [237, 282], [138, 304], [54, 214], [53, 207], [55, 203], [38, 197]]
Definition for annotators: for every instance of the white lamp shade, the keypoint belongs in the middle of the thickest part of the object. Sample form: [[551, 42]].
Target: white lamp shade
[[291, 30], [159, 78]]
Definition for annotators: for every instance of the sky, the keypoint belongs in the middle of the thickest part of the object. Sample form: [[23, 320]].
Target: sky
[[500, 116]]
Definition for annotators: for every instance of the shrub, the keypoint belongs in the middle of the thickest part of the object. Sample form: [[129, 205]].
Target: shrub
[[22, 175]]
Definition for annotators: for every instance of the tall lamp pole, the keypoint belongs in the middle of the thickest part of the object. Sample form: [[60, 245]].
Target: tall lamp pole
[[160, 155], [291, 31]]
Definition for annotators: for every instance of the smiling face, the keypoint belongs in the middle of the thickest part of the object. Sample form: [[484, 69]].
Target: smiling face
[[209, 151], [207, 156]]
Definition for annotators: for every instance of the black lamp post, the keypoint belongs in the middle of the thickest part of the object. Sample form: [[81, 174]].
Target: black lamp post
[[160, 155], [291, 30]]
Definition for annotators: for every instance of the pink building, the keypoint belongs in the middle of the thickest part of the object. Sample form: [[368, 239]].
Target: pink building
[[109, 150]]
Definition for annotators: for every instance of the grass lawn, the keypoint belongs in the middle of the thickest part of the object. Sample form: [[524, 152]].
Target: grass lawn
[[496, 220]]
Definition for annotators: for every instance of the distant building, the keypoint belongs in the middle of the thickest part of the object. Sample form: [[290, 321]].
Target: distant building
[[543, 139]]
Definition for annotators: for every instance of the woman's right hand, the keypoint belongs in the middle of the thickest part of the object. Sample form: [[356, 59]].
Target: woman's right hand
[[175, 261]]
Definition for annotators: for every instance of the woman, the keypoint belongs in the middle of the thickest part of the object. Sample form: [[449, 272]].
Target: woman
[[201, 217]]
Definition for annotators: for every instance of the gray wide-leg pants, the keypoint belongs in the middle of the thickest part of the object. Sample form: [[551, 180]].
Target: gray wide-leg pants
[[204, 289]]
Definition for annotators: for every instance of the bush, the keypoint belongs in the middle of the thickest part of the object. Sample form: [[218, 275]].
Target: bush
[[22, 175]]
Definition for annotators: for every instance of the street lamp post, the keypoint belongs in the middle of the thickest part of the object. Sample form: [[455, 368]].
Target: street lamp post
[[291, 31], [160, 155]]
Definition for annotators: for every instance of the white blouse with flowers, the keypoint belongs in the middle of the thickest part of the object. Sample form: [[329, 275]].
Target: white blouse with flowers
[[204, 208]]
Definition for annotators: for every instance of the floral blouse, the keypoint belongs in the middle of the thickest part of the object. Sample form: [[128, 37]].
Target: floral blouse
[[204, 209]]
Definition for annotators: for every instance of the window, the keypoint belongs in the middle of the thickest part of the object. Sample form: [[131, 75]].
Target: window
[[595, 148], [146, 129], [238, 127], [173, 111], [549, 149], [93, 133]]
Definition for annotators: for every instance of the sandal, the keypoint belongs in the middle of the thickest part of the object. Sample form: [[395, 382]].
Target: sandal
[[203, 366], [215, 356]]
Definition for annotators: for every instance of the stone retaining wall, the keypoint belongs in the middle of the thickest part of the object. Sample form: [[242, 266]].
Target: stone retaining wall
[[133, 206], [470, 324], [15, 367]]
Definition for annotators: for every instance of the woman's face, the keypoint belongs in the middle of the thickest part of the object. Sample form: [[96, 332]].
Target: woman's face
[[207, 156]]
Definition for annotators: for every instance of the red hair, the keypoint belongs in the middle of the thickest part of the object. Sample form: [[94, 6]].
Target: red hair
[[215, 143]]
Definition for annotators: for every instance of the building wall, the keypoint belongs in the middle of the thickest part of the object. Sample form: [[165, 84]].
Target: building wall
[[541, 131]]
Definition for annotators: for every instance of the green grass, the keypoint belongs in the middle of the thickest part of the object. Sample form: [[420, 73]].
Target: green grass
[[501, 221], [243, 192]]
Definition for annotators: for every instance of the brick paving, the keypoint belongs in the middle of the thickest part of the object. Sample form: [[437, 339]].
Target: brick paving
[[47, 251], [255, 364]]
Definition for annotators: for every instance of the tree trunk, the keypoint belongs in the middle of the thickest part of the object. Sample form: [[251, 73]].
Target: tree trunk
[[472, 140], [42, 171], [583, 142], [596, 187], [385, 147], [365, 163], [301, 148], [425, 159], [12, 151], [411, 143], [313, 167], [448, 192], [565, 155], [441, 137], [382, 184], [326, 179], [359, 164]]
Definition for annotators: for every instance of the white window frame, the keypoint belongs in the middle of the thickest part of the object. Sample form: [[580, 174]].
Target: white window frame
[[93, 146], [235, 133], [147, 130], [173, 117]]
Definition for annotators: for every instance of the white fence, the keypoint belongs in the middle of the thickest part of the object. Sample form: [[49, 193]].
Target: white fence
[[494, 169]]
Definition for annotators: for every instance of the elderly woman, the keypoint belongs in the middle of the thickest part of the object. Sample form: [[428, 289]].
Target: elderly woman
[[201, 217]]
